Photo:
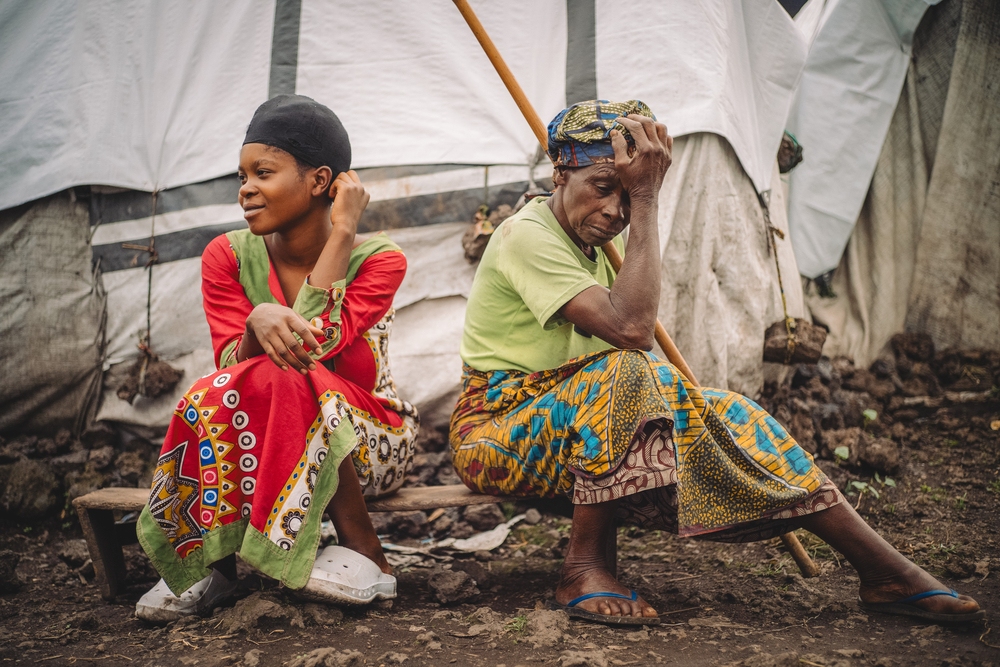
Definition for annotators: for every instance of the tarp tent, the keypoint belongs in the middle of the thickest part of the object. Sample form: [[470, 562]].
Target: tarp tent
[[924, 254], [131, 98]]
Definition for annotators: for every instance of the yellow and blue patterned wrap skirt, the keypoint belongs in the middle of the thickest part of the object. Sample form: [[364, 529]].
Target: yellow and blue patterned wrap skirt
[[623, 424]]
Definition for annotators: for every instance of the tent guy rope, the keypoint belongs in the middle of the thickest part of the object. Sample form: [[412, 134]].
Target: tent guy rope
[[663, 339]]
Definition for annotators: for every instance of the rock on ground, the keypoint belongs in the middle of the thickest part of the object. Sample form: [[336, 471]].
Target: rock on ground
[[31, 490], [484, 517], [327, 657], [546, 628], [583, 659], [260, 613], [450, 586]]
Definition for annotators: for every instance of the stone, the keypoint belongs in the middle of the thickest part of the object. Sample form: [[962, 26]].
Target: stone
[[392, 658], [546, 628], [81, 482], [594, 658], [532, 517], [252, 658], [75, 553], [101, 458], [99, 435], [130, 467], [69, 462], [321, 614], [31, 491], [450, 586], [259, 612], [880, 453], [10, 580], [411, 524], [328, 657], [483, 517], [916, 346], [809, 340]]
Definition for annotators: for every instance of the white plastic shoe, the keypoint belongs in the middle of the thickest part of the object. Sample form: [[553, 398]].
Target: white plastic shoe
[[343, 576], [160, 605]]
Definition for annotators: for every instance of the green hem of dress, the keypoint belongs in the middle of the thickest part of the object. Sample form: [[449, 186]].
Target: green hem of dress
[[183, 573], [291, 567], [294, 566]]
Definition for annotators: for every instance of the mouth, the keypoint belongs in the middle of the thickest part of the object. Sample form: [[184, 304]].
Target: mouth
[[252, 210]]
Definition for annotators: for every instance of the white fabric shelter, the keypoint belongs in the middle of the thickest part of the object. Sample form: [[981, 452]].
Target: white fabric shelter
[[855, 70]]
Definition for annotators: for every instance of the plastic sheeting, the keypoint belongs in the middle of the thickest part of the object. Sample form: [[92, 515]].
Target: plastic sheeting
[[855, 69], [140, 94], [925, 254], [729, 68], [413, 86], [52, 329], [719, 288]]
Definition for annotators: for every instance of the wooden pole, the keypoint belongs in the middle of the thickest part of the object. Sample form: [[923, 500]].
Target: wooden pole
[[663, 339]]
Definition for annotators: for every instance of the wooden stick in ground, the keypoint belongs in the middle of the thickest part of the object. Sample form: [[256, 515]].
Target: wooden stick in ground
[[663, 339]]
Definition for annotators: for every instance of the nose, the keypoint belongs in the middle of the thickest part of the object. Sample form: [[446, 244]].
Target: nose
[[247, 188]]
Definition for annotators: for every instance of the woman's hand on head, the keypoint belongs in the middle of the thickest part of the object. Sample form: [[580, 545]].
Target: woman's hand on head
[[642, 173], [349, 201], [271, 327]]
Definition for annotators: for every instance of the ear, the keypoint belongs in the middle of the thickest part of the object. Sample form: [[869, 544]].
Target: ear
[[559, 176], [322, 179]]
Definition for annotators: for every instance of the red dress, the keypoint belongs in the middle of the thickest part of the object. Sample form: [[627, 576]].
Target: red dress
[[251, 448]]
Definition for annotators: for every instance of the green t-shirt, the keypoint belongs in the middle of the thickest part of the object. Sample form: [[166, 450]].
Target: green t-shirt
[[530, 270]]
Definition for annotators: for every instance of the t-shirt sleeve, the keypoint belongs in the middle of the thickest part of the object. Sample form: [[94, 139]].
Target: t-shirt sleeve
[[543, 270], [225, 302]]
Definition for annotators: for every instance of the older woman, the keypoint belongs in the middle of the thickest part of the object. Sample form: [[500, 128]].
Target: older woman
[[561, 396]]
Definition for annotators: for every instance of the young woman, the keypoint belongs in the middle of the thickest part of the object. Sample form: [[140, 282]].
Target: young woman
[[560, 394], [302, 416]]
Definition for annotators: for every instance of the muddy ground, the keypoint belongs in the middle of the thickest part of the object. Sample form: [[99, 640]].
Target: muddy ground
[[937, 501]]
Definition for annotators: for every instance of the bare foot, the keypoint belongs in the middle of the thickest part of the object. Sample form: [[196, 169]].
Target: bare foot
[[577, 581], [910, 582]]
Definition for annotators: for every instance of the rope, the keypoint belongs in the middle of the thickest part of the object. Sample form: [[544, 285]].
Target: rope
[[790, 340]]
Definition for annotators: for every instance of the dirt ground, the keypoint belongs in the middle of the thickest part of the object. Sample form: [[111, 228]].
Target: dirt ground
[[721, 604]]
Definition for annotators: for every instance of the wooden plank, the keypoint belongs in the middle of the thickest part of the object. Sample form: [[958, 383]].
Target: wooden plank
[[128, 500], [407, 499], [432, 497]]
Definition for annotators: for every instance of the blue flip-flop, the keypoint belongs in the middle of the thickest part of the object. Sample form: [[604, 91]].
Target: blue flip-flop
[[905, 607], [576, 612]]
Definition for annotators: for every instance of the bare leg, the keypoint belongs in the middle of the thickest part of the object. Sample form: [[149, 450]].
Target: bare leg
[[349, 514], [586, 569], [886, 575]]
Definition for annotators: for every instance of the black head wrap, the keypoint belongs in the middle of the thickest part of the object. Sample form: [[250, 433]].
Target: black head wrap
[[303, 127]]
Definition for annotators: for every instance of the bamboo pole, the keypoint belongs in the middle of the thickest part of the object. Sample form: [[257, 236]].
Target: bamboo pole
[[802, 559]]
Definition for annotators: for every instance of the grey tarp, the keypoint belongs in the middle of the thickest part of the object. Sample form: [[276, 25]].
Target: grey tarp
[[925, 254], [52, 330]]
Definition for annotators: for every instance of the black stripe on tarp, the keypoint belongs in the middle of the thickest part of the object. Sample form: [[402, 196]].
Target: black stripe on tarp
[[171, 247], [418, 211], [135, 204], [581, 51], [284, 48]]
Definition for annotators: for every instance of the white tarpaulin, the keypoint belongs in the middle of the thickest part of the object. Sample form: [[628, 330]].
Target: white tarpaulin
[[855, 70], [146, 94], [722, 67], [136, 94]]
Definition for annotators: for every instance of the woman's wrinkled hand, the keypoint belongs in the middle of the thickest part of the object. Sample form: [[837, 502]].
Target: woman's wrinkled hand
[[349, 201], [272, 327], [642, 173]]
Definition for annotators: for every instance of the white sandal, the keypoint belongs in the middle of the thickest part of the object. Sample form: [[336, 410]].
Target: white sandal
[[343, 576], [160, 605]]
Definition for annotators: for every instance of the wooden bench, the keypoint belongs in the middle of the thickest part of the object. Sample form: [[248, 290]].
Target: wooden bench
[[105, 538]]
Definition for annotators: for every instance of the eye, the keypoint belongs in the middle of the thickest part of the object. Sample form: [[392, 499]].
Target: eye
[[242, 178]]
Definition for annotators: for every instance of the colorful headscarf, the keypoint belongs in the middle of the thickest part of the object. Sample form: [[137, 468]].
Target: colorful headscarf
[[581, 135]]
